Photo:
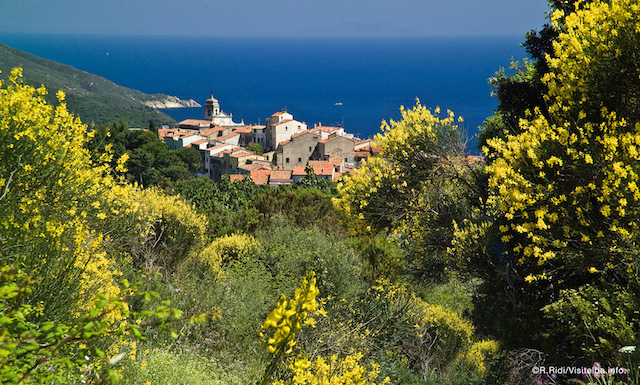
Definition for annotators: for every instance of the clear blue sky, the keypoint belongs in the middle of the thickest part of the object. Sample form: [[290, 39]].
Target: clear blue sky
[[273, 17]]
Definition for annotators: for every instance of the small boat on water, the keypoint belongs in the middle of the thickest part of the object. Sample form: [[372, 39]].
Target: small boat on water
[[338, 104]]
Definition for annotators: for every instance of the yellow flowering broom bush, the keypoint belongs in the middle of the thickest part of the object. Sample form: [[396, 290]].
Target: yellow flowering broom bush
[[68, 226], [51, 200], [333, 371], [565, 189], [414, 188]]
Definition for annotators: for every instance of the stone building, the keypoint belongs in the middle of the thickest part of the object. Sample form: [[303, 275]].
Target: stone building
[[281, 127]]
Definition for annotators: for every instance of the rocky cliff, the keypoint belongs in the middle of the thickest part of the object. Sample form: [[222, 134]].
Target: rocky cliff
[[166, 101]]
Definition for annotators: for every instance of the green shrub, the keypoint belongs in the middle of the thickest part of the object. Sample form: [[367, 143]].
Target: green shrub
[[166, 367]]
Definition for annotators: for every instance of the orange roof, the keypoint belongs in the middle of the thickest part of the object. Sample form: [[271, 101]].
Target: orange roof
[[165, 131], [201, 141], [473, 159], [318, 163], [236, 177], [337, 175], [258, 127], [279, 113], [243, 130], [229, 135], [327, 128], [284, 142], [241, 154], [362, 154], [260, 176], [284, 121], [336, 161], [299, 170], [252, 166], [218, 146], [210, 131], [195, 122], [336, 137], [281, 175], [323, 171], [302, 133]]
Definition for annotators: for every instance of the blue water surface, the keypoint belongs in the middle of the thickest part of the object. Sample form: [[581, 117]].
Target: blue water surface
[[255, 77]]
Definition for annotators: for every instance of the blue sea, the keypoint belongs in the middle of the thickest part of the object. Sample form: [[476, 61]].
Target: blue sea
[[356, 82]]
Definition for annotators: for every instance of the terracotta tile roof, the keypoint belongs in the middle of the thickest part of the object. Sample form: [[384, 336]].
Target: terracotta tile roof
[[336, 161], [279, 113], [260, 177], [164, 131], [209, 131], [218, 147], [303, 133], [283, 122], [228, 136], [252, 166], [327, 128], [258, 127], [201, 141], [284, 142], [362, 154], [323, 171], [241, 154], [318, 163], [298, 170], [195, 123], [336, 137], [337, 175], [244, 130], [363, 145], [473, 159], [280, 175], [236, 177]]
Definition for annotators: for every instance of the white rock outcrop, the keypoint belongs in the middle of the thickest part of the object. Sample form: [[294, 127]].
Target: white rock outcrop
[[167, 101]]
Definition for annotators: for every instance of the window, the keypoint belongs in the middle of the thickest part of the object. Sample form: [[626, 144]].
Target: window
[[286, 160], [309, 149], [299, 160]]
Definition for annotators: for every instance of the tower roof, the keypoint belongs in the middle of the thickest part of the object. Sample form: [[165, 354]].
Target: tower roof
[[212, 100]]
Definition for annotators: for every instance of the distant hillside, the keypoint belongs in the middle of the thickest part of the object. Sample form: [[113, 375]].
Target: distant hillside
[[93, 98]]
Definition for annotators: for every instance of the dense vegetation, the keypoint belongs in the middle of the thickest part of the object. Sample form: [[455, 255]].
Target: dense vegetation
[[421, 267], [148, 161]]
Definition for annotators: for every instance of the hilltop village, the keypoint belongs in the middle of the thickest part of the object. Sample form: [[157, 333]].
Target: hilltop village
[[276, 153]]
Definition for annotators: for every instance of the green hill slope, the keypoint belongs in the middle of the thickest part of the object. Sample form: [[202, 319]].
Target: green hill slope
[[93, 98]]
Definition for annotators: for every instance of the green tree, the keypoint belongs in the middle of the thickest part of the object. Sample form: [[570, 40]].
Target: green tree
[[256, 147], [153, 127]]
